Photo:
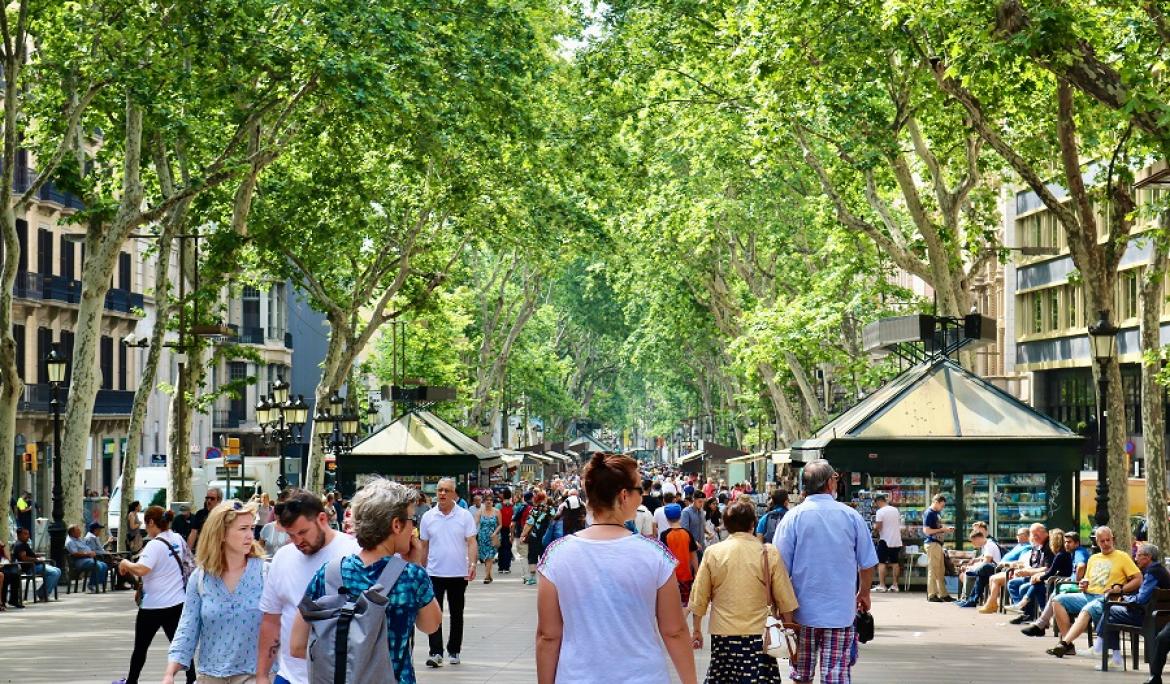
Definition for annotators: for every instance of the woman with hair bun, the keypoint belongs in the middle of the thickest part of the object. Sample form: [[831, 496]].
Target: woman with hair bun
[[605, 595], [163, 568]]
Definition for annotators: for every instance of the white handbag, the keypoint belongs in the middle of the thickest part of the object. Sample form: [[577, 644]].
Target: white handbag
[[779, 640]]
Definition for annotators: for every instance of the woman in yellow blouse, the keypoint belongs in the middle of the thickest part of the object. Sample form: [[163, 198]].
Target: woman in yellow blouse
[[731, 580]]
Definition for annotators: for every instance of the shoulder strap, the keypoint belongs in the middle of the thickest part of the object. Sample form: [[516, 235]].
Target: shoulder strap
[[333, 576], [768, 582], [391, 573], [178, 561]]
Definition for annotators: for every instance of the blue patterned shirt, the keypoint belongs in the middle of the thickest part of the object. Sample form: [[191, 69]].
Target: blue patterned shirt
[[411, 593], [224, 624]]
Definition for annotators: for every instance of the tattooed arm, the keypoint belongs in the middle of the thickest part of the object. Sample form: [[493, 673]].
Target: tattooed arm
[[268, 647]]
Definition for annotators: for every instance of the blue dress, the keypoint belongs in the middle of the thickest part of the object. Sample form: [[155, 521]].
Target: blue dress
[[487, 527]]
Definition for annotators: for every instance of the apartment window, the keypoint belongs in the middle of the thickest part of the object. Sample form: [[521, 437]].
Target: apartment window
[[67, 352], [22, 238], [18, 335], [1070, 396], [44, 344], [1037, 313], [1054, 309], [67, 271], [1128, 301], [124, 271], [1076, 316], [107, 362], [44, 252], [251, 308], [237, 370], [123, 358]]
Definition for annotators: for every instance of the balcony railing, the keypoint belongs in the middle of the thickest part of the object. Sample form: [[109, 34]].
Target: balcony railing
[[62, 289], [28, 285], [251, 336], [226, 419], [38, 397], [55, 288]]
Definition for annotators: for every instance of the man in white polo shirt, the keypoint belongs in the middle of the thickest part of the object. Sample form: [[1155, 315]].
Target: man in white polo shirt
[[448, 535], [312, 544]]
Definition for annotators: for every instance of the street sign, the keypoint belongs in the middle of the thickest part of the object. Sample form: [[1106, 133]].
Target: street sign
[[213, 452], [232, 452]]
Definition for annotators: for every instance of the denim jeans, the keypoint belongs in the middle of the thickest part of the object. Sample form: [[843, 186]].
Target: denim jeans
[[97, 570], [52, 576]]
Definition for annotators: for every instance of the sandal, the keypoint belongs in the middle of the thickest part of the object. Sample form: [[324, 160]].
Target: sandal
[[487, 580]]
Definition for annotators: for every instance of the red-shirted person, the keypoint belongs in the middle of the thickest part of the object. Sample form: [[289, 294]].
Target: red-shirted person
[[685, 550], [505, 551]]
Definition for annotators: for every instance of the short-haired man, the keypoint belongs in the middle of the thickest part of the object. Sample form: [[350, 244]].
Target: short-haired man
[[85, 557], [694, 520], [777, 508], [1039, 559], [828, 550], [1080, 558], [887, 521], [932, 537], [982, 566], [312, 544], [212, 499], [1133, 613], [1111, 570], [448, 534], [22, 551]]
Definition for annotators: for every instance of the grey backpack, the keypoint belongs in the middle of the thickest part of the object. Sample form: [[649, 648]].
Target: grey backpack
[[348, 640]]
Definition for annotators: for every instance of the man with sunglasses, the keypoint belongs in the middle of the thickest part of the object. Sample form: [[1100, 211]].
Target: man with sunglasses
[[210, 501], [312, 543]]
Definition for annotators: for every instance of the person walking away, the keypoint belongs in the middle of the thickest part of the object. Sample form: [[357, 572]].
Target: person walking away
[[828, 550], [933, 531], [212, 499], [182, 523], [660, 522], [312, 543], [519, 542], [694, 520], [383, 514], [685, 550], [85, 558], [572, 515], [539, 519], [738, 584], [777, 508], [449, 542], [652, 499], [887, 520], [221, 613], [644, 520], [22, 551], [488, 537], [504, 551], [163, 568], [607, 600]]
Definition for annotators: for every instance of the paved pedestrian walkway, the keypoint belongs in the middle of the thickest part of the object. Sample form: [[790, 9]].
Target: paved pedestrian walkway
[[86, 639]]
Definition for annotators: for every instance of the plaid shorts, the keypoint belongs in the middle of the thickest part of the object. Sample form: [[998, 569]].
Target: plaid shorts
[[684, 590], [834, 647]]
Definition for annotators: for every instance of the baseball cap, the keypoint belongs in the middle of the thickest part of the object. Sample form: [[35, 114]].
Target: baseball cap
[[95, 526], [673, 511]]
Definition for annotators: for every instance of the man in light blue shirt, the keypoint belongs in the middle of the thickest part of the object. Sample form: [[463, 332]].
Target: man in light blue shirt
[[829, 553]]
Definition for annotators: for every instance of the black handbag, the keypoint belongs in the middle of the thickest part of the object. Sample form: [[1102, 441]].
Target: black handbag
[[863, 623]]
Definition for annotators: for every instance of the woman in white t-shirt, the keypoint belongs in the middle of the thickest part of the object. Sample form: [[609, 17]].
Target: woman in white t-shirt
[[606, 595], [163, 566]]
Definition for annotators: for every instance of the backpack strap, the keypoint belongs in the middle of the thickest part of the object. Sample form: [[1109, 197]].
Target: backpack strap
[[390, 574], [333, 577]]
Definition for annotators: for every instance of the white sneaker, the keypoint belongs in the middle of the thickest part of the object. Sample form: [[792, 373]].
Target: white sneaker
[[1096, 647], [453, 658], [1115, 661], [893, 589], [880, 589], [435, 660]]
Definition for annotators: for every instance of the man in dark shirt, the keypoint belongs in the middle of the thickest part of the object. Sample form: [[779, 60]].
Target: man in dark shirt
[[214, 496], [652, 499], [933, 531], [23, 552], [183, 522]]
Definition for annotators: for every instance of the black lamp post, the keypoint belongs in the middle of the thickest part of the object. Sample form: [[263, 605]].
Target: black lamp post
[[278, 417], [337, 427], [56, 366], [1103, 341]]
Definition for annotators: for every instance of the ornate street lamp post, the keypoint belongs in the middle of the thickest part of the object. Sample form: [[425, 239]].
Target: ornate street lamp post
[[278, 418], [1103, 342], [56, 366]]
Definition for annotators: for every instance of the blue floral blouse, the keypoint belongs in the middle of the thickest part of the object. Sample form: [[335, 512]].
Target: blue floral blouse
[[224, 625]]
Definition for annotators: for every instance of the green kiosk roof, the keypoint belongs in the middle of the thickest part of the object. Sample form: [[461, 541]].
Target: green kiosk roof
[[938, 416], [420, 442]]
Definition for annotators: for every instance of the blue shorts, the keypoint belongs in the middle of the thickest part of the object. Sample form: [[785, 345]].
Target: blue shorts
[[1073, 604]]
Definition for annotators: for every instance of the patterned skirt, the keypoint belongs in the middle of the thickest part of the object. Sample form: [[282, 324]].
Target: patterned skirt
[[737, 660]]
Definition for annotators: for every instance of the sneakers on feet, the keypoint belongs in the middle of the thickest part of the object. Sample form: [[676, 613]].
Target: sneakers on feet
[[1034, 630], [893, 589], [435, 660], [1019, 619], [1115, 659], [453, 658], [880, 589], [1096, 647], [935, 599]]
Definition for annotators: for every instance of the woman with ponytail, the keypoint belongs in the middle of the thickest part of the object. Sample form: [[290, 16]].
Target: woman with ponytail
[[163, 566], [614, 592]]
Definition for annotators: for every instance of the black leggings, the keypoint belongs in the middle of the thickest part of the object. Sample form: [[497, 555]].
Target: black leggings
[[146, 625]]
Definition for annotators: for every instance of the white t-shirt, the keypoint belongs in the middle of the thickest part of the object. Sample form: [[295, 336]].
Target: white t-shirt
[[660, 519], [644, 521], [891, 520], [669, 488], [989, 549], [162, 587], [288, 577], [608, 592], [446, 538]]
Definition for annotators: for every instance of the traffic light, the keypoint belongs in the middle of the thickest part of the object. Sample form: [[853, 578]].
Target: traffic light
[[231, 453], [26, 461], [32, 456]]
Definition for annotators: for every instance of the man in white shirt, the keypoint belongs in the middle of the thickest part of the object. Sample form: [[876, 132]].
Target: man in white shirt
[[981, 566], [312, 544], [661, 524], [644, 521], [887, 520], [448, 535], [669, 487]]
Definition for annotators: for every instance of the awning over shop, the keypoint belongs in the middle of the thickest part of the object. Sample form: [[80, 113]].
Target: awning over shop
[[696, 455], [418, 440]]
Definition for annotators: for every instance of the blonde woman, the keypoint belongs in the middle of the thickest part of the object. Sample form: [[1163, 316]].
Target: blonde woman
[[222, 612]]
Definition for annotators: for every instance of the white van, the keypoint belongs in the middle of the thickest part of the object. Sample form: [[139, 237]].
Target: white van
[[148, 482]]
